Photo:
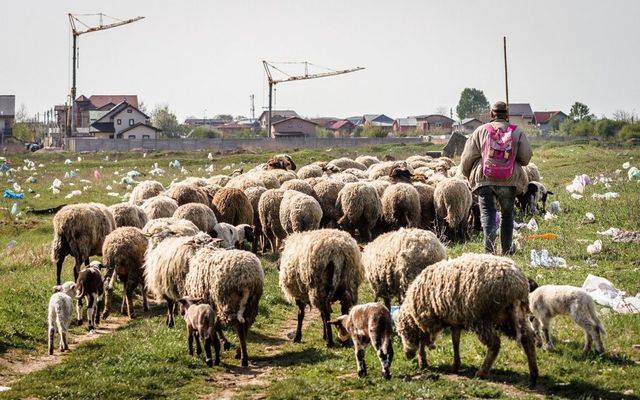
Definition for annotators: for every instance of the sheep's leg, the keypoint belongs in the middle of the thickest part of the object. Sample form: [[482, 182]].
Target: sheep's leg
[[598, 339], [129, 289], [198, 347], [226, 345], [387, 302], [535, 324], [325, 313], [190, 340], [455, 339], [145, 302], [528, 345], [490, 339], [359, 349], [243, 330], [207, 351], [52, 332], [546, 332], [422, 355], [79, 311], [108, 297], [169, 318], [96, 310], [298, 337], [388, 357], [65, 343], [90, 313], [216, 348], [59, 269]]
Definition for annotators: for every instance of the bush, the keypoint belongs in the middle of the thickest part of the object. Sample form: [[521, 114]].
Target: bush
[[607, 128], [630, 131]]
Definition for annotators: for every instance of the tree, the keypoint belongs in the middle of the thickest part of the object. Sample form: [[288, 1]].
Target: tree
[[202, 132], [22, 115], [625, 116], [473, 103], [607, 128], [23, 132], [580, 112], [630, 131], [163, 119]]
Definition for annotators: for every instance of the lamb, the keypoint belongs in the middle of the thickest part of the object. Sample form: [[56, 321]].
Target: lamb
[[60, 308], [232, 206], [393, 260], [269, 210], [201, 215], [310, 171], [200, 320], [344, 163], [548, 301], [299, 185], [79, 230], [184, 193], [299, 212], [145, 190], [359, 207], [318, 268], [123, 256], [243, 182], [401, 206], [268, 178], [533, 173], [233, 236], [452, 199], [536, 193], [233, 282], [89, 284], [326, 192], [159, 207], [368, 323], [367, 161], [480, 292], [283, 175], [126, 214]]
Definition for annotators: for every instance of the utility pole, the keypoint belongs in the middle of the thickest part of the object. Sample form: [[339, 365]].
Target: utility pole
[[506, 80]]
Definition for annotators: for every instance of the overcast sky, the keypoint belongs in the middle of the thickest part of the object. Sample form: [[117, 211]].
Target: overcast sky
[[419, 55]]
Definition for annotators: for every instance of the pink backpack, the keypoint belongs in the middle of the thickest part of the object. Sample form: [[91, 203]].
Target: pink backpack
[[498, 153]]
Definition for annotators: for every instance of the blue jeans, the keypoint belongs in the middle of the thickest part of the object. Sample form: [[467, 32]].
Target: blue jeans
[[487, 196]]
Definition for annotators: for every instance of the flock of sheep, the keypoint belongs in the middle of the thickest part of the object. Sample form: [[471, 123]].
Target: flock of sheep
[[186, 245]]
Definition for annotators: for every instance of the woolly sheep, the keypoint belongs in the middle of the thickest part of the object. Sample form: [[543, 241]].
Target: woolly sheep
[[479, 292], [310, 171], [358, 173], [536, 193], [344, 178], [419, 158], [299, 212], [326, 192], [318, 268], [210, 190], [532, 172], [393, 260], [200, 320], [220, 180], [233, 282], [367, 161], [145, 190], [232, 206], [268, 178], [401, 206], [452, 199], [380, 186], [59, 314], [283, 175], [360, 208], [269, 210], [159, 207], [381, 169], [126, 214], [282, 162], [254, 194], [344, 163], [548, 301], [427, 205], [123, 256], [233, 236], [298, 185], [79, 230], [184, 193], [159, 229], [243, 182], [201, 215]]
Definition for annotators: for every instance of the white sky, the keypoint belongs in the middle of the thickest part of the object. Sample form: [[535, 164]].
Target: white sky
[[419, 55]]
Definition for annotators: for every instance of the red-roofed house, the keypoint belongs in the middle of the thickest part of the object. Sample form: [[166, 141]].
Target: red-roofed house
[[549, 121], [342, 128], [293, 127]]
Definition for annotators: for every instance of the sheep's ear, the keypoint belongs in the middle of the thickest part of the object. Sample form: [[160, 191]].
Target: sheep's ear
[[293, 165], [248, 230], [57, 288], [548, 192], [184, 301]]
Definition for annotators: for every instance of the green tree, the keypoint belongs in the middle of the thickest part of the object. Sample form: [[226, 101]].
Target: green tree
[[473, 103], [630, 131], [202, 132], [580, 112], [374, 131], [163, 119], [607, 128], [23, 132]]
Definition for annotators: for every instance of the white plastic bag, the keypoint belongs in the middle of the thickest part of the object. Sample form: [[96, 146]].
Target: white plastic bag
[[541, 258], [555, 207], [595, 247], [606, 196], [604, 293]]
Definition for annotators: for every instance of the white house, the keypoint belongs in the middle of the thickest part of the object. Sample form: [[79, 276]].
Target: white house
[[123, 121]]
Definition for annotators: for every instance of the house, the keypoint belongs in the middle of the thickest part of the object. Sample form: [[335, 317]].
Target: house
[[293, 127], [207, 122], [325, 122], [342, 128], [520, 114], [549, 121], [276, 115], [379, 120], [7, 114], [403, 125], [466, 126], [426, 123], [123, 121], [356, 121], [242, 125]]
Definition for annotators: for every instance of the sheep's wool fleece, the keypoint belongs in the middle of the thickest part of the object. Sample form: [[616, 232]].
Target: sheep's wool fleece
[[232, 206], [145, 190], [304, 266], [184, 193], [126, 214], [359, 201], [401, 199], [393, 260], [367, 160], [159, 207], [123, 250], [346, 163], [327, 192], [159, 229], [201, 215], [227, 278], [453, 200], [310, 171], [299, 185], [299, 212]]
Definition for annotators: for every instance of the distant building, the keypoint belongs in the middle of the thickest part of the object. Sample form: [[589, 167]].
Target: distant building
[[379, 120], [294, 127], [276, 115], [466, 126], [342, 128], [7, 114], [325, 122], [520, 114], [403, 125], [123, 121], [207, 122], [239, 126], [549, 121], [83, 106], [426, 123]]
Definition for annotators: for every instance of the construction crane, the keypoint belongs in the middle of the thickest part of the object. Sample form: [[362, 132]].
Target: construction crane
[[75, 33], [273, 82]]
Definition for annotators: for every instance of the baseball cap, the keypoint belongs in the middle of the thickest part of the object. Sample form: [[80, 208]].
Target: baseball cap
[[499, 106]]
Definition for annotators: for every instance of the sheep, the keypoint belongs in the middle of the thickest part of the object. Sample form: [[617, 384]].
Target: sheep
[[200, 320], [401, 172], [359, 207], [90, 285], [310, 171], [145, 190], [367, 161], [381, 169], [368, 323], [232, 206], [210, 190], [59, 315], [201, 215], [417, 157], [123, 256], [126, 214], [283, 175], [232, 281], [532, 172], [79, 230], [548, 301], [452, 199], [159, 229], [220, 180], [233, 236], [326, 192], [268, 178], [254, 194], [282, 162], [299, 185], [536, 193], [380, 186], [427, 206], [269, 210], [317, 268], [166, 267], [194, 180], [358, 173], [299, 212], [393, 260], [401, 206], [344, 163], [480, 292], [344, 178], [184, 193], [243, 182], [159, 207]]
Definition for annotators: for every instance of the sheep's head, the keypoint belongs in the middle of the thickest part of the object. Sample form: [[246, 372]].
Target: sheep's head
[[282, 161], [409, 333], [96, 264], [186, 302], [341, 324], [331, 169], [400, 171], [68, 288]]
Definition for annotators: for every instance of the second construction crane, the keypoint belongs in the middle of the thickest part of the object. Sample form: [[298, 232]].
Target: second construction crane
[[272, 82]]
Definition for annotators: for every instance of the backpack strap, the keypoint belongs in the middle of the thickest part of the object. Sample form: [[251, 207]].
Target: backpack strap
[[490, 128]]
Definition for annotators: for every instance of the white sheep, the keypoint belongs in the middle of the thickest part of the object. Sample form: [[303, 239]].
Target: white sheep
[[360, 208], [233, 236], [60, 310], [299, 212]]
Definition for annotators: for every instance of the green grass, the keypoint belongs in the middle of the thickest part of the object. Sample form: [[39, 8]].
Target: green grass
[[144, 359]]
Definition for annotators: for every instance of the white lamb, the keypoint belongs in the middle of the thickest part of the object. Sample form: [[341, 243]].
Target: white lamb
[[60, 309], [550, 300], [233, 236]]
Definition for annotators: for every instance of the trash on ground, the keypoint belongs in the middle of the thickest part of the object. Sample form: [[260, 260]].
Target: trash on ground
[[627, 237], [67, 162], [532, 225], [4, 388], [31, 179], [175, 164], [543, 236], [634, 174], [595, 247], [17, 188], [113, 194], [11, 243], [14, 209], [73, 194], [97, 174], [134, 174], [606, 196], [10, 194], [549, 216], [626, 165], [541, 258], [589, 218], [576, 196], [610, 232], [210, 156], [555, 207], [394, 313], [604, 293]]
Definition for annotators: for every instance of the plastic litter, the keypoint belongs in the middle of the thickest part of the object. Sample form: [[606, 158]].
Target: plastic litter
[[67, 162], [226, 167], [17, 188], [543, 236], [14, 209], [576, 196], [10, 194], [127, 180], [4, 388], [97, 174], [209, 168], [589, 218], [66, 175], [31, 179], [549, 216], [79, 158], [595, 247], [394, 313], [541, 258], [634, 174], [604, 293], [626, 165], [610, 232], [210, 156], [74, 193], [134, 174], [606, 196], [113, 194], [11, 243], [532, 225], [555, 207], [175, 164]]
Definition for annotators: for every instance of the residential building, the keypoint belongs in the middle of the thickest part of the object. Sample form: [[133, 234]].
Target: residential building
[[84, 105], [403, 125], [7, 114], [276, 115], [325, 122], [379, 120], [242, 125], [520, 114], [466, 126], [549, 121], [207, 122], [441, 123], [123, 121], [293, 127], [342, 128]]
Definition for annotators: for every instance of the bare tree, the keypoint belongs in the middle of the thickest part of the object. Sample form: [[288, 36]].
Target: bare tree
[[625, 116]]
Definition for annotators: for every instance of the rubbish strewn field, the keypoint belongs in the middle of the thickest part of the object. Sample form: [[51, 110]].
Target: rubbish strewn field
[[144, 359]]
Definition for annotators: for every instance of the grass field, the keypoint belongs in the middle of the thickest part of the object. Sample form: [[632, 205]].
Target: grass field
[[144, 359]]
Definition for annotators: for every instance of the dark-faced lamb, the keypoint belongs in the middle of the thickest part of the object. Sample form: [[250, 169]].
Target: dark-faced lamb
[[90, 285], [536, 193], [59, 315], [368, 323], [200, 320]]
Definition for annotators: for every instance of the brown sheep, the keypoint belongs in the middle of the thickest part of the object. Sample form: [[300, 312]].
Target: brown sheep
[[185, 193], [232, 206]]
